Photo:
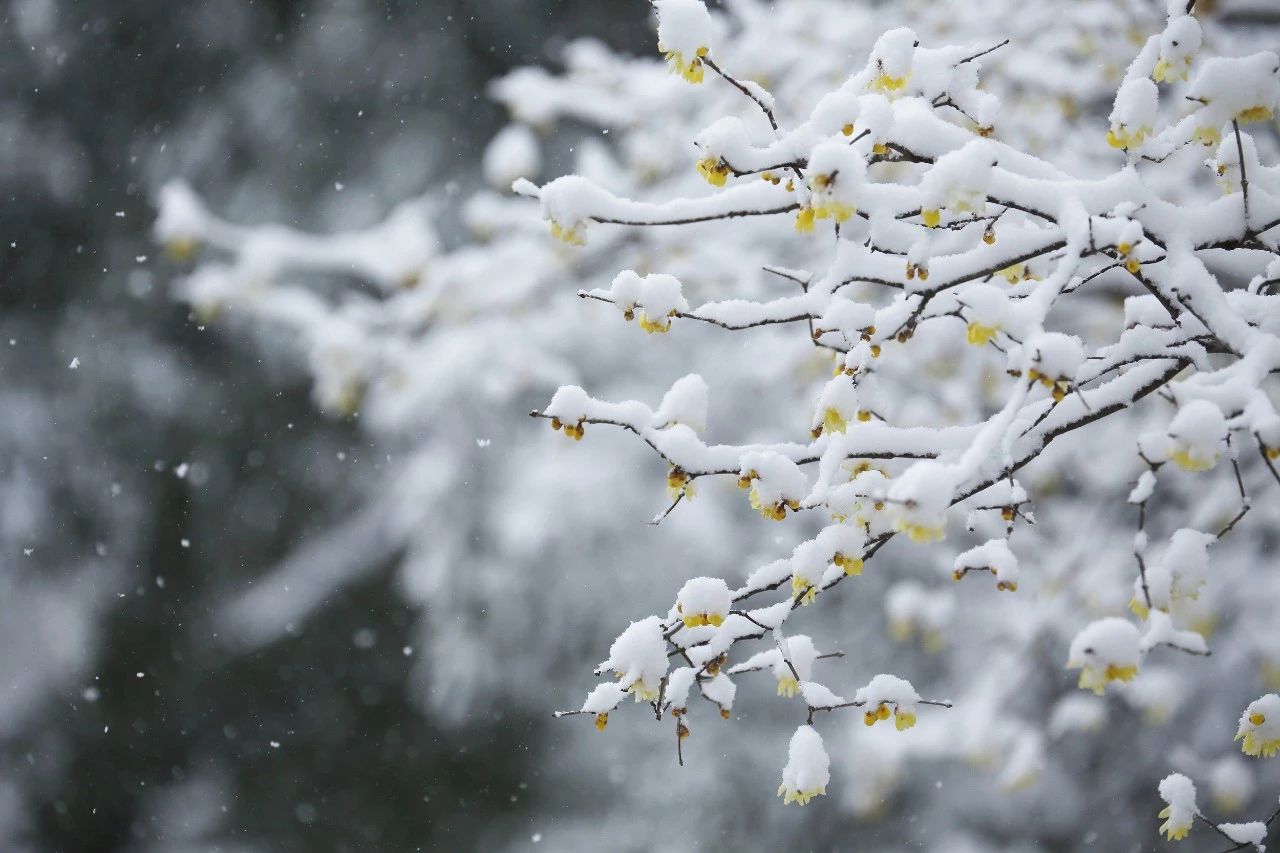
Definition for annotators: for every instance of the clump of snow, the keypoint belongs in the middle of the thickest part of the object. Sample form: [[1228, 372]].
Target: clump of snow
[[1053, 356], [1179, 794], [1179, 44], [775, 483], [511, 154], [889, 70], [704, 601], [1134, 113], [958, 181], [685, 403], [1197, 433], [639, 658], [993, 556], [181, 219], [1242, 88], [808, 768], [919, 500], [604, 698], [886, 694], [685, 34], [653, 299], [679, 683]]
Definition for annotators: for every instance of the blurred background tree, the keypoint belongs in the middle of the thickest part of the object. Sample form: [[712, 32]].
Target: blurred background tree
[[151, 466]]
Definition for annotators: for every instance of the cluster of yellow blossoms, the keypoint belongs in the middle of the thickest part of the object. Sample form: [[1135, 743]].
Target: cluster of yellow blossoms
[[651, 325], [823, 207], [690, 68], [1059, 386], [574, 236], [1098, 679], [889, 85], [808, 592], [1175, 827], [902, 719], [980, 335], [697, 620], [1123, 137], [574, 431]]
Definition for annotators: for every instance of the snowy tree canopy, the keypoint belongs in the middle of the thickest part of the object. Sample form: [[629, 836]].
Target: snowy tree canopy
[[978, 318]]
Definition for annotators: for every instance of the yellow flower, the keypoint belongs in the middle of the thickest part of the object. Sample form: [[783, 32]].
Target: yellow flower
[[807, 591], [1166, 72], [774, 512], [602, 720], [642, 691], [1120, 136], [980, 335], [920, 533], [851, 565], [836, 210], [1188, 460], [574, 431], [691, 70], [833, 421], [804, 220], [1139, 608], [680, 484], [714, 170], [1207, 135], [1253, 744], [694, 620], [572, 236], [931, 218], [901, 630], [1013, 274], [873, 716], [1258, 113], [887, 85], [182, 249], [1097, 681], [788, 686], [903, 720], [801, 797], [659, 325], [1173, 831]]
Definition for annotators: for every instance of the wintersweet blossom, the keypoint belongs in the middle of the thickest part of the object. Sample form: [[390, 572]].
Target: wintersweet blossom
[[703, 601], [1197, 433], [1105, 651], [1179, 793], [1260, 727], [808, 768], [684, 36]]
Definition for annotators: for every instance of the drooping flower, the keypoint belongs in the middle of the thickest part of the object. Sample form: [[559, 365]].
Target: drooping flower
[[1105, 651], [703, 601], [684, 36], [1179, 814], [1260, 727], [808, 768], [1197, 433]]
